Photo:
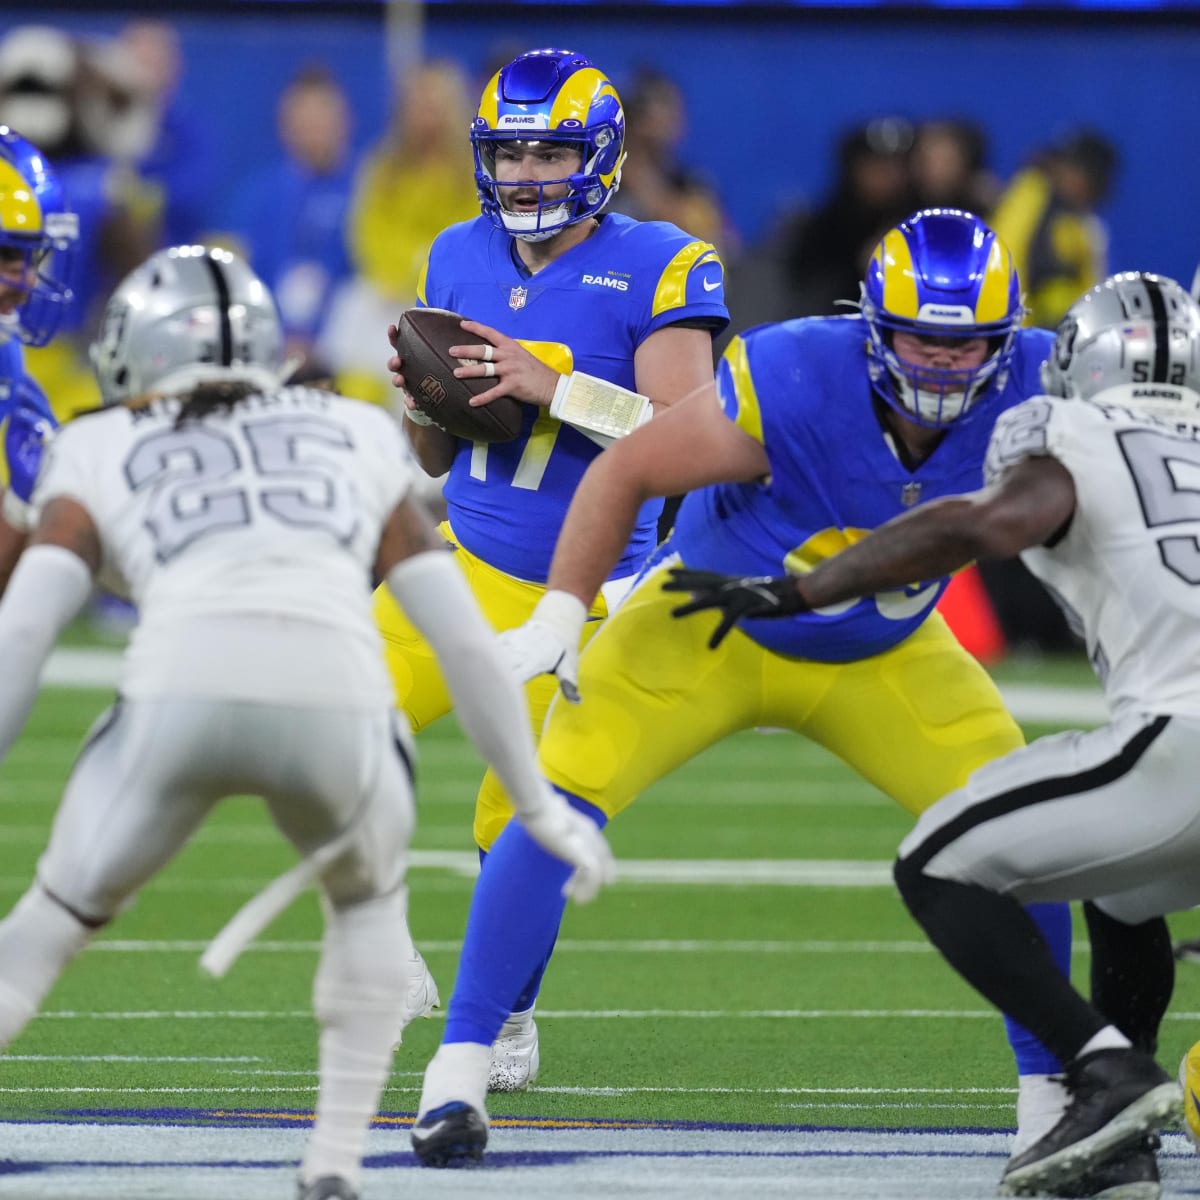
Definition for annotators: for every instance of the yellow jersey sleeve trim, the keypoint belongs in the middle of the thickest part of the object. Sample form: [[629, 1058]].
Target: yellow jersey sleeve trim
[[671, 291], [421, 283], [749, 416]]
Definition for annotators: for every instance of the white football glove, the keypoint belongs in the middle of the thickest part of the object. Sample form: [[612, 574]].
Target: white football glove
[[548, 643], [567, 834]]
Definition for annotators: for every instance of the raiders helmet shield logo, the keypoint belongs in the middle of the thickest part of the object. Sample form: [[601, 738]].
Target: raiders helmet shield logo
[[910, 493], [517, 298]]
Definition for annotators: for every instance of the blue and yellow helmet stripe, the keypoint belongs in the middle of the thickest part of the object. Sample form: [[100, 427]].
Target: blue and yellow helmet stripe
[[20, 209]]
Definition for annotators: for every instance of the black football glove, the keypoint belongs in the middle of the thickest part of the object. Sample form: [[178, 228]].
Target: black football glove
[[736, 597]]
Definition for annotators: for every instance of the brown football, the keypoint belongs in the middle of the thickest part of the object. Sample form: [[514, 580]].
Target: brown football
[[423, 340]]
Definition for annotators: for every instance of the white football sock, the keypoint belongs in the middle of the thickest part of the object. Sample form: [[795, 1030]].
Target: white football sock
[[458, 1071], [517, 1022], [37, 939], [1109, 1038], [359, 995], [1041, 1101]]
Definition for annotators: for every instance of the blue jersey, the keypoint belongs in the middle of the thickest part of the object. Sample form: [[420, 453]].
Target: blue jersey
[[801, 389], [588, 310], [25, 419]]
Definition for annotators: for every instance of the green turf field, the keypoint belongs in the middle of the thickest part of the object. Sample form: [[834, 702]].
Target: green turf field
[[700, 987]]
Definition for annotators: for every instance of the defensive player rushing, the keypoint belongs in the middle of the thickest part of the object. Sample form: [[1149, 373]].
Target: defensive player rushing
[[1095, 485], [245, 518], [815, 431], [575, 301], [38, 237]]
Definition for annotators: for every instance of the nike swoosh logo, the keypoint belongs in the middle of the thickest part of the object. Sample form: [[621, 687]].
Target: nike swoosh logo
[[711, 285], [421, 1132]]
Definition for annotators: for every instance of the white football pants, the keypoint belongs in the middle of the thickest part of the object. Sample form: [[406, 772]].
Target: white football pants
[[1111, 815], [151, 771]]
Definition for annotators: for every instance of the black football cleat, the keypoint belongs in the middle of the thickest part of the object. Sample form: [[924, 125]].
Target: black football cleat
[[1117, 1097], [453, 1135], [1131, 1175], [327, 1187]]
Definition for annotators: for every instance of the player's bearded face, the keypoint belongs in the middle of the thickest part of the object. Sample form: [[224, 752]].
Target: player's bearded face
[[525, 172]]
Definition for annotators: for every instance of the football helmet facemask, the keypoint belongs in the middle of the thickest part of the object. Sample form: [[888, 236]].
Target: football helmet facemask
[[188, 315], [550, 96], [941, 272], [1134, 329], [38, 232]]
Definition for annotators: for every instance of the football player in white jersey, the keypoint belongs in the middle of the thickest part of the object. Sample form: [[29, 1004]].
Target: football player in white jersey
[[247, 520], [1097, 486]]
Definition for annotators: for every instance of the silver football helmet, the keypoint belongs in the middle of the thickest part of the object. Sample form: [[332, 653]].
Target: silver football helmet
[[1133, 329], [188, 315]]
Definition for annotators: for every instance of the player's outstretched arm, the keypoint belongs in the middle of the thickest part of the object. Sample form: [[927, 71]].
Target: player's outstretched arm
[[1028, 505], [50, 584], [690, 445], [422, 576]]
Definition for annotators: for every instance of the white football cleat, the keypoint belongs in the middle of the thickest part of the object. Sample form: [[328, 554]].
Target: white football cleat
[[515, 1058], [422, 997]]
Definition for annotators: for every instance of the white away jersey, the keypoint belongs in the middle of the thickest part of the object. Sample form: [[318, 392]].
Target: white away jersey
[[1127, 569], [255, 527]]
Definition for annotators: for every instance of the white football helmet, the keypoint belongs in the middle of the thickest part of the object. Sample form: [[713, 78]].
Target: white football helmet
[[1137, 330], [188, 315]]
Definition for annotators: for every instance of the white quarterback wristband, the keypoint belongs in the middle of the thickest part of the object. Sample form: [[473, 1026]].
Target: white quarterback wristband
[[594, 405]]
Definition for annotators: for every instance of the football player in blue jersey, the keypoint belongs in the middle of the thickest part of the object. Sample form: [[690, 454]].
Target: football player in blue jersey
[[594, 321], [37, 244], [814, 432]]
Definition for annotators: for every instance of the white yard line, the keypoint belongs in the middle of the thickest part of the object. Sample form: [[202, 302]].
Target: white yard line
[[571, 945], [97, 667], [575, 1014]]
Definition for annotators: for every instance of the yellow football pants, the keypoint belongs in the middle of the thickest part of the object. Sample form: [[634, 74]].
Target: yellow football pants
[[421, 692], [915, 721]]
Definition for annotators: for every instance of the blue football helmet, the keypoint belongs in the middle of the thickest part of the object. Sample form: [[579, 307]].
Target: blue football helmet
[[36, 226], [550, 96], [943, 273]]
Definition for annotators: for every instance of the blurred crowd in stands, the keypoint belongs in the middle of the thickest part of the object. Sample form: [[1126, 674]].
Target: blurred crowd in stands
[[341, 235]]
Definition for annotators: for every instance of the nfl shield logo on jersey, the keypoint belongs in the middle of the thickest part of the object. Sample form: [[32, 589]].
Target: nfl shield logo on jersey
[[517, 298], [910, 493]]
